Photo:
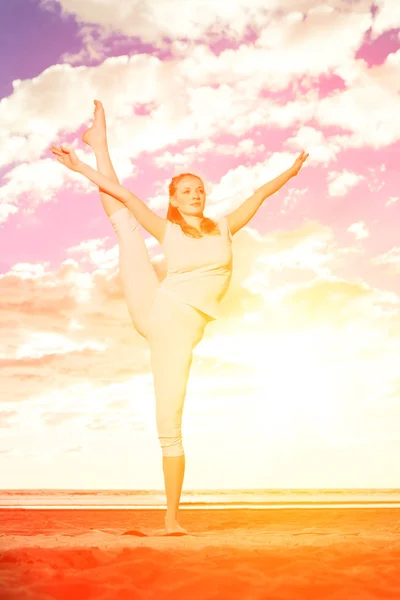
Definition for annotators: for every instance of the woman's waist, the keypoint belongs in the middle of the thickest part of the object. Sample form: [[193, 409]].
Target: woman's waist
[[205, 303]]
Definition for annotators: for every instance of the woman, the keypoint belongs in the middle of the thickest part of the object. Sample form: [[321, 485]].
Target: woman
[[171, 315]]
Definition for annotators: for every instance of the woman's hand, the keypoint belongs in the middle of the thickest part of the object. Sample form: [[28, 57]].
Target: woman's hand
[[67, 157], [298, 163]]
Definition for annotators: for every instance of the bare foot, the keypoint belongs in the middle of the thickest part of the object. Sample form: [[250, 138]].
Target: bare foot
[[172, 526], [96, 134]]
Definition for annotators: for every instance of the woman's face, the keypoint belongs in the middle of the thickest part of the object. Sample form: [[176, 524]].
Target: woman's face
[[189, 196]]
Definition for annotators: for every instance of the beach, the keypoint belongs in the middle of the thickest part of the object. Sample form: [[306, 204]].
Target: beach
[[251, 554]]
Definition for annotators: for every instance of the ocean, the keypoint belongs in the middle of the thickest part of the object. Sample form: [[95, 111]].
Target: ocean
[[198, 499]]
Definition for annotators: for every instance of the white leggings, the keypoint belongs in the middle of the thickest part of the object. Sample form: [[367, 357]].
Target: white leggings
[[173, 329]]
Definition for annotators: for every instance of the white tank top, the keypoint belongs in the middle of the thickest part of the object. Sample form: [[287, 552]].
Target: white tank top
[[199, 270]]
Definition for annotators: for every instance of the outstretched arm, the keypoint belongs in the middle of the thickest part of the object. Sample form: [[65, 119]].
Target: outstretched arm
[[154, 224], [246, 211]]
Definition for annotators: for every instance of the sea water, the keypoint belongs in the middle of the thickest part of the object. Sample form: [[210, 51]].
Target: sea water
[[200, 499]]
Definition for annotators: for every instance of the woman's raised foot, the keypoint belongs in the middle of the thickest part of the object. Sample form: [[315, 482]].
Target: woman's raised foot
[[96, 134]]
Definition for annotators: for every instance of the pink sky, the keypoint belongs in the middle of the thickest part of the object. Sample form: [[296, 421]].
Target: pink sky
[[303, 366]]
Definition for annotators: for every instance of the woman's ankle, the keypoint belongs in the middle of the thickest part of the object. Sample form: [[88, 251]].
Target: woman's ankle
[[101, 147], [171, 515]]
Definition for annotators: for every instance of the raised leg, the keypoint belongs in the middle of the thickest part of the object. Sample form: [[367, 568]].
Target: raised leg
[[96, 137], [138, 277]]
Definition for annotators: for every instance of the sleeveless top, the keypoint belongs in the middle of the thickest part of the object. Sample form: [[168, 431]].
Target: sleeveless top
[[199, 269]]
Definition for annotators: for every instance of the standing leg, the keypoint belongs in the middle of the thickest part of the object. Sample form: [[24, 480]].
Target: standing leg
[[139, 279], [174, 330]]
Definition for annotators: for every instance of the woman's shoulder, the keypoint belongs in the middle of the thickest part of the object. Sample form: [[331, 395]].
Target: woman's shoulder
[[169, 230], [224, 225]]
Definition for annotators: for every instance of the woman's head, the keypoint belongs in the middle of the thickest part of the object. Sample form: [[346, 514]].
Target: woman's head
[[187, 197], [187, 194]]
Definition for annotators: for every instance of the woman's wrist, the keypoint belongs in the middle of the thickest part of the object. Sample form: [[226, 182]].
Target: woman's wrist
[[82, 167]]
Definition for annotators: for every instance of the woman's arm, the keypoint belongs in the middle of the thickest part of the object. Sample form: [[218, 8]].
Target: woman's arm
[[154, 224], [246, 211]]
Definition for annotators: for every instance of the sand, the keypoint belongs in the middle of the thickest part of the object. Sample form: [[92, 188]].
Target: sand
[[291, 554]]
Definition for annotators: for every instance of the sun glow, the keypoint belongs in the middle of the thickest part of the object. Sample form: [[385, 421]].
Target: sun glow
[[297, 380]]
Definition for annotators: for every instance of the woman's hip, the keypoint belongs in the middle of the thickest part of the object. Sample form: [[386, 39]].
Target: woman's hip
[[172, 321]]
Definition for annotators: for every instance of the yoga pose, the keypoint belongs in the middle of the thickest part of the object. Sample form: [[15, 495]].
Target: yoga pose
[[171, 315]]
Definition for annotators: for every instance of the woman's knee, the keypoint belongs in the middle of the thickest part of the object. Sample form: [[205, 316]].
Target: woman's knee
[[170, 440], [171, 447], [119, 218]]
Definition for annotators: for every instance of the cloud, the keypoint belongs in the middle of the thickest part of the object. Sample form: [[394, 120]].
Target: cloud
[[59, 418], [184, 159], [154, 22], [341, 183], [390, 259], [35, 182], [168, 106], [321, 149], [291, 199], [285, 300], [387, 16], [92, 252], [94, 47], [6, 418], [66, 321], [302, 41], [392, 200], [368, 109], [360, 230], [325, 298], [69, 320]]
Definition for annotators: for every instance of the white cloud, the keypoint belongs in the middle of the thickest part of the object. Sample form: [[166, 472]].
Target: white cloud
[[152, 21], [321, 150], [6, 211], [30, 270], [300, 45], [310, 247], [242, 181], [392, 200], [179, 88], [291, 198], [327, 329], [369, 107], [390, 258], [175, 91], [156, 22], [199, 152], [94, 47], [39, 344], [92, 251], [37, 181], [340, 183], [387, 16], [359, 229]]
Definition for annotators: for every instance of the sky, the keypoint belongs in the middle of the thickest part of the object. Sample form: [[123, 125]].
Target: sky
[[298, 383]]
